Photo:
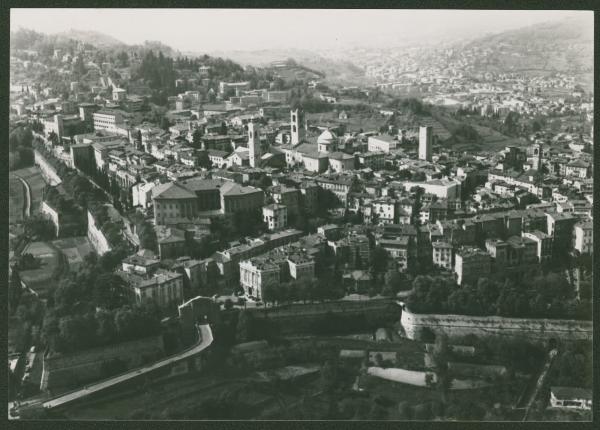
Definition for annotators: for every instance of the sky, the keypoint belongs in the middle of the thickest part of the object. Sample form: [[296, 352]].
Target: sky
[[206, 30]]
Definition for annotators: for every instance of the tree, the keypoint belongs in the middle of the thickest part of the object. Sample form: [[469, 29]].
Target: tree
[[123, 59], [203, 160], [106, 330], [379, 260], [270, 293], [244, 326], [329, 376], [138, 141], [147, 236], [79, 68], [197, 138], [395, 282], [165, 124], [109, 291], [15, 290]]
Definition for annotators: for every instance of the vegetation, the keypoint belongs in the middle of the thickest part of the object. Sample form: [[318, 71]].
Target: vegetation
[[573, 366], [89, 309], [20, 141], [546, 296]]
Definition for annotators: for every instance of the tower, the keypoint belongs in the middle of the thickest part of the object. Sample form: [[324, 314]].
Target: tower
[[538, 154], [425, 141], [298, 126], [59, 125], [254, 143]]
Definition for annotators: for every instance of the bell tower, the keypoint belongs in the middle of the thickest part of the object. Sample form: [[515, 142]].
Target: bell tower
[[254, 143], [298, 126]]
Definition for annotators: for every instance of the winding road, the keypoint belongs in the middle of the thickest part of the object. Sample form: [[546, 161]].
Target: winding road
[[205, 340]]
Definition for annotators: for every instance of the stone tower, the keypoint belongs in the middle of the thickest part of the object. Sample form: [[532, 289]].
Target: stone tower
[[254, 144]]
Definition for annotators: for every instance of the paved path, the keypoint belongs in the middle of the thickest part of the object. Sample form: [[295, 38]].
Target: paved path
[[28, 197], [540, 382], [206, 338]]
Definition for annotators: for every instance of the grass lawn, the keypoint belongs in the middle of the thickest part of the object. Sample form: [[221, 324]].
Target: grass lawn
[[75, 249], [40, 279]]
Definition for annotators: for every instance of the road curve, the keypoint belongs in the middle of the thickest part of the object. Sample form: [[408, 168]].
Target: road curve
[[206, 338], [28, 197]]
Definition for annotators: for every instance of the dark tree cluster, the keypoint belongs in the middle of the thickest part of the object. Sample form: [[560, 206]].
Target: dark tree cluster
[[157, 71], [90, 308], [546, 296], [409, 105], [19, 145], [574, 366]]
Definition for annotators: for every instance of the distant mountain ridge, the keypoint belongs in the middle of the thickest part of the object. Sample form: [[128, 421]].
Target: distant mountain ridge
[[25, 38], [558, 46], [99, 40]]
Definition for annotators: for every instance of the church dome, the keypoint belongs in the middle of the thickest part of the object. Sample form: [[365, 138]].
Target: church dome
[[327, 137]]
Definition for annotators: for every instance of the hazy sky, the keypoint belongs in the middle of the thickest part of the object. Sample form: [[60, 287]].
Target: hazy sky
[[205, 30]]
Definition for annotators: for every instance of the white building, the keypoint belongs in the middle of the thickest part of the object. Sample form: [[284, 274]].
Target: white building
[[583, 236], [54, 124], [107, 120], [119, 94], [255, 274], [381, 143], [142, 194], [275, 216], [327, 142], [340, 162], [425, 142], [442, 188], [571, 398], [442, 255]]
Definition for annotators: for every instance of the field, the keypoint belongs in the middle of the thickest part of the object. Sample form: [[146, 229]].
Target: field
[[366, 121], [41, 279], [495, 141], [492, 140], [75, 249], [16, 202]]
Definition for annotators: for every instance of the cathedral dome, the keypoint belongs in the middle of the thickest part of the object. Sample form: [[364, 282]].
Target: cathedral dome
[[327, 137]]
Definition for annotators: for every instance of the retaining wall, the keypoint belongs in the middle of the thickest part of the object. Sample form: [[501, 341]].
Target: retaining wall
[[300, 317], [48, 171], [532, 329], [64, 371]]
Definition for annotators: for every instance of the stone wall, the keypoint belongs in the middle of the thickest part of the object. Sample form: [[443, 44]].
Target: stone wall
[[52, 215], [48, 172], [300, 317], [532, 329], [66, 371], [96, 237]]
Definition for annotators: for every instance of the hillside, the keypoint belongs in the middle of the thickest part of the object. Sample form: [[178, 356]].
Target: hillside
[[335, 71], [560, 46], [45, 43], [97, 39]]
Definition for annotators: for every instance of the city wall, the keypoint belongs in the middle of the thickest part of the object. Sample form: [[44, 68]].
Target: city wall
[[48, 171], [300, 318], [96, 237], [532, 329], [64, 371]]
